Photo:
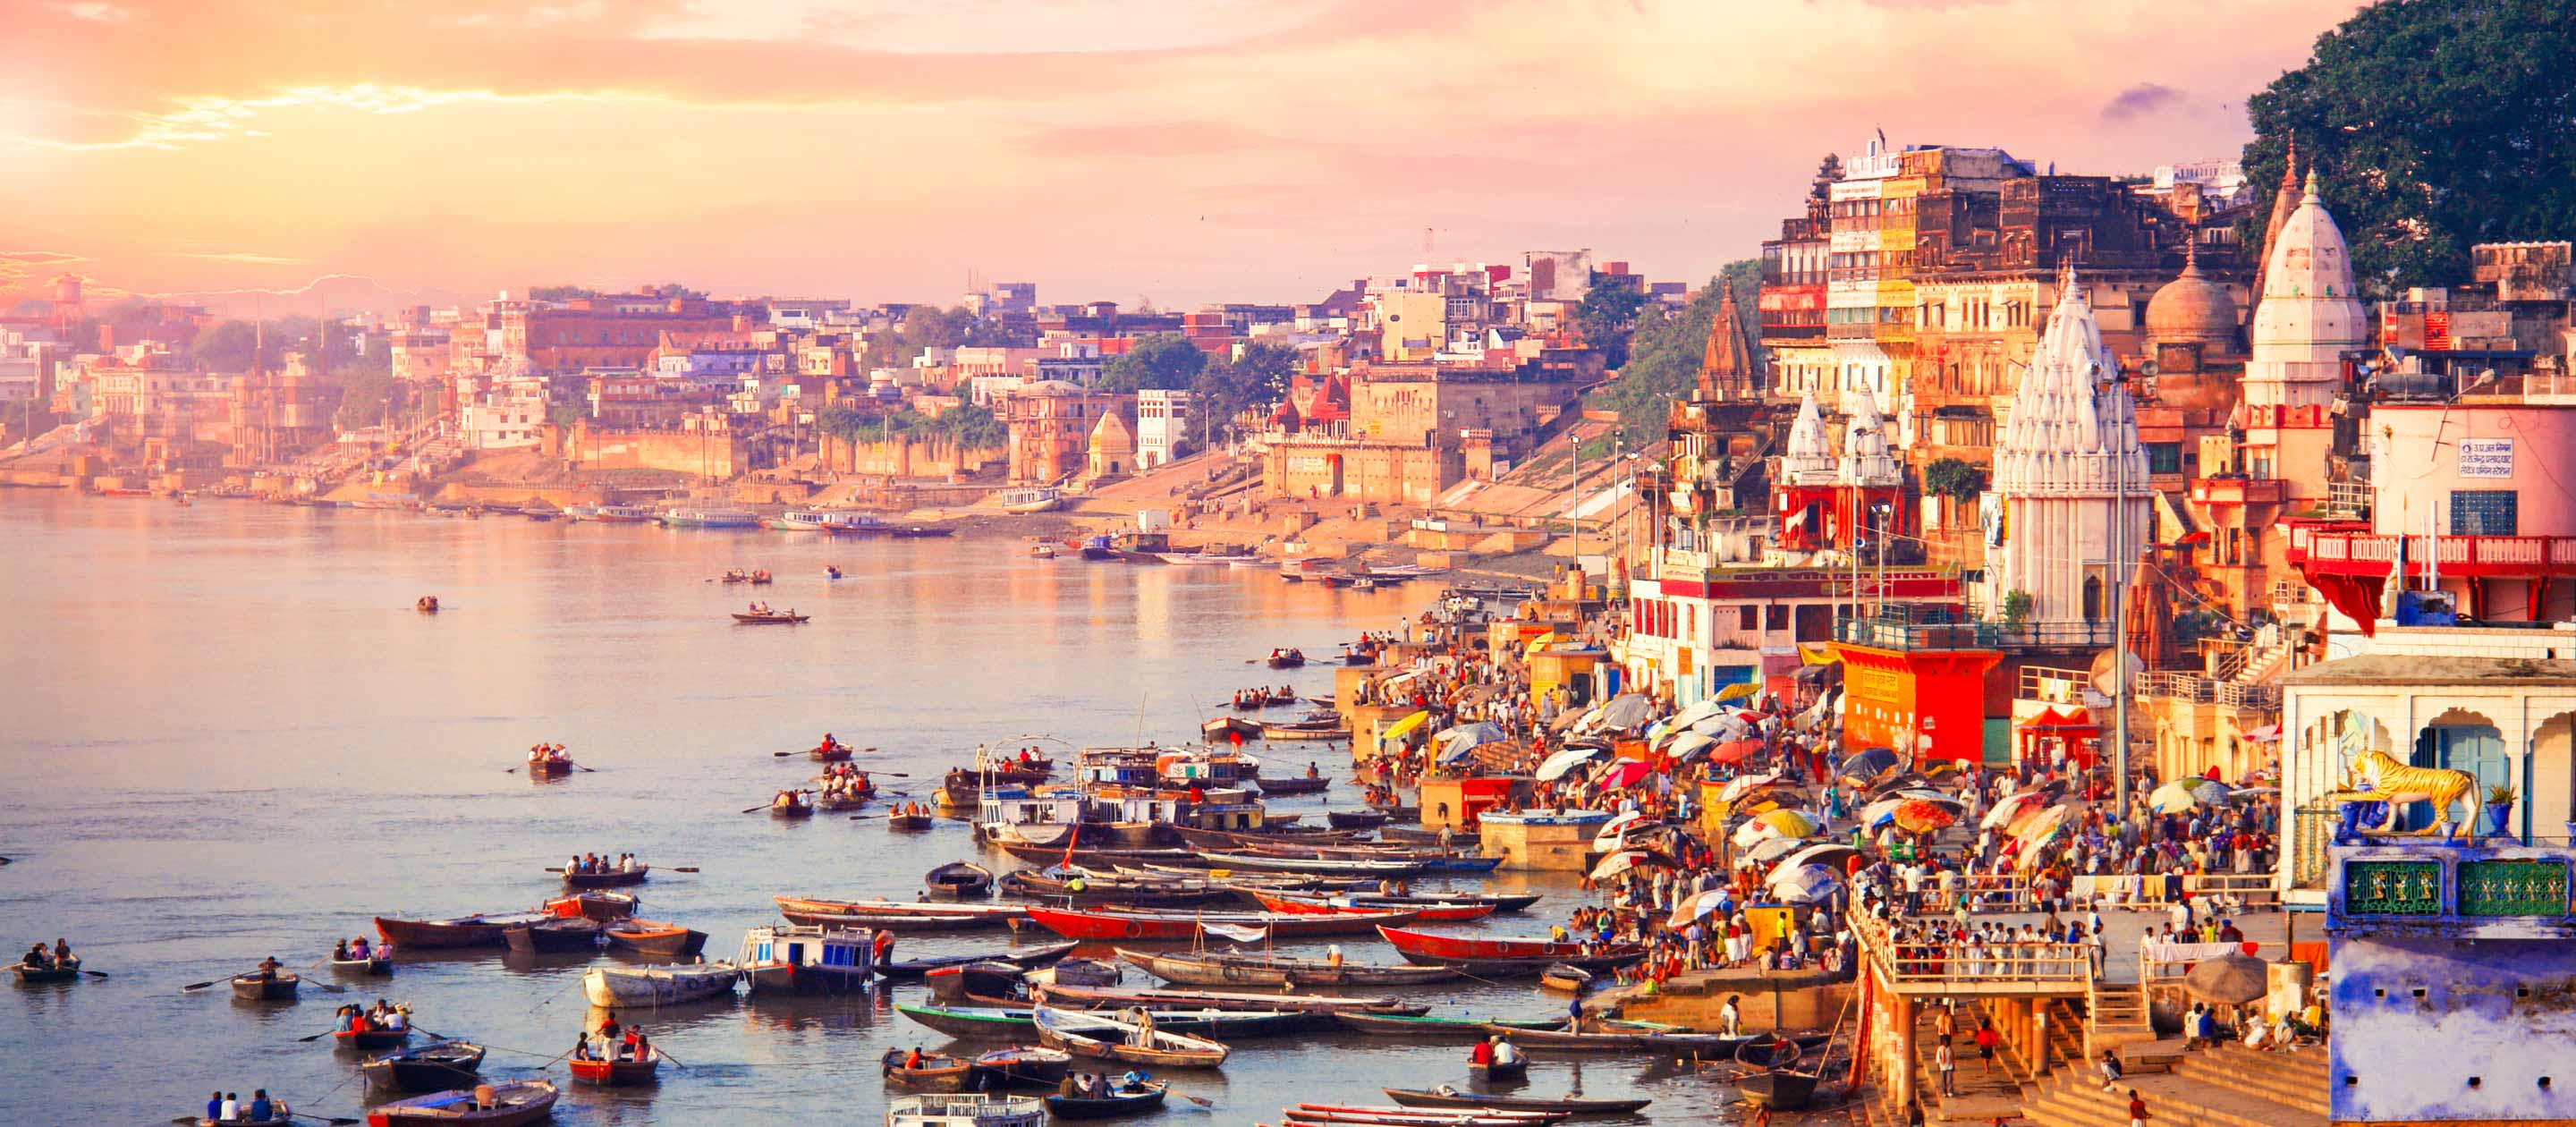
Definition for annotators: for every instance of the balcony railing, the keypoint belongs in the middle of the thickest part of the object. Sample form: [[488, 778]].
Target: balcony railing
[[2363, 553]]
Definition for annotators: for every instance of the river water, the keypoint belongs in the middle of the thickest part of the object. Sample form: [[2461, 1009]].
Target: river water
[[229, 736]]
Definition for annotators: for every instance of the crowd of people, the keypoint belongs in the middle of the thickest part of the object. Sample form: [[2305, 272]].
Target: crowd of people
[[614, 1043], [227, 1108], [382, 1017], [595, 864]]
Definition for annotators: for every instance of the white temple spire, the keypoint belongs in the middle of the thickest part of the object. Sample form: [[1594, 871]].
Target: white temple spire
[[1810, 460]]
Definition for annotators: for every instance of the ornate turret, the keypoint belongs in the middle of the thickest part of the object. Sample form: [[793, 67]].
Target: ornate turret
[[1726, 368], [2285, 200], [1866, 462], [2309, 313], [1810, 460]]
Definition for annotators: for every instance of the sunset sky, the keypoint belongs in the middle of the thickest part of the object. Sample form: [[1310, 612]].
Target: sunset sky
[[1182, 150]]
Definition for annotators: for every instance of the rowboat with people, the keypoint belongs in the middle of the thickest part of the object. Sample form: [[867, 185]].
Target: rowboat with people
[[925, 1072], [266, 987], [434, 1067], [792, 804], [1093, 1035], [908, 819], [607, 878], [628, 1073], [787, 617], [506, 1105], [32, 975], [1111, 1100]]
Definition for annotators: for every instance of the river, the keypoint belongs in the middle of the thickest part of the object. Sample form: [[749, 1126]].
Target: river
[[229, 736]]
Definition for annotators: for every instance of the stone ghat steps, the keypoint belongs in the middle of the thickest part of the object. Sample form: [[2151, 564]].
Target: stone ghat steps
[[2073, 1101], [2298, 1079]]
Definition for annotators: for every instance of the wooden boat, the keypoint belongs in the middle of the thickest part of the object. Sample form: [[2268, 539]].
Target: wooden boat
[[621, 988], [37, 976], [1356, 819], [653, 937], [1021, 1066], [886, 915], [1391, 1115], [1104, 924], [1034, 499], [1415, 1097], [1480, 955], [831, 753], [1778, 1089], [547, 937], [601, 906], [1221, 727], [1335, 866], [1293, 785], [462, 931], [935, 1073], [1304, 730], [964, 1109], [376, 966], [960, 880], [1071, 996], [1616, 1037], [513, 1104], [836, 801], [1445, 1028], [909, 823], [430, 1068], [616, 1073], [1133, 1100], [1102, 1038], [773, 618], [279, 987], [913, 969], [1561, 977], [1018, 1022], [802, 806], [551, 765], [613, 878], [1289, 659], [921, 531], [1211, 968], [830, 959], [362, 1040], [1367, 897], [1499, 1071], [1425, 911]]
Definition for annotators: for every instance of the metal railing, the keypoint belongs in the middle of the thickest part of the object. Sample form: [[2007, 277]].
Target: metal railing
[[1966, 967]]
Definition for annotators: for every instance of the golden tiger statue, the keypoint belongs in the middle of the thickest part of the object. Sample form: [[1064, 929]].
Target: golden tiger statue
[[2375, 777]]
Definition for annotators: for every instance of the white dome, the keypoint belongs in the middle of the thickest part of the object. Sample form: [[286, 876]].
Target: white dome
[[2308, 292], [1866, 461], [1810, 460]]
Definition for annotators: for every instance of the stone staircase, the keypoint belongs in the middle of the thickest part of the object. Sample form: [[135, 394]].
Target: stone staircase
[[2224, 1087], [2114, 1016], [1984, 1093]]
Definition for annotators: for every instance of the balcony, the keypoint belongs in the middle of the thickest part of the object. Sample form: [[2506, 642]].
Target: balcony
[[2238, 490], [2371, 554]]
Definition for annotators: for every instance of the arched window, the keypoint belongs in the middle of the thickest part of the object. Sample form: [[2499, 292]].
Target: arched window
[[2092, 598]]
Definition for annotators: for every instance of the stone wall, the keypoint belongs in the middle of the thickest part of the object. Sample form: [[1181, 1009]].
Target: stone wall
[[910, 457], [711, 454]]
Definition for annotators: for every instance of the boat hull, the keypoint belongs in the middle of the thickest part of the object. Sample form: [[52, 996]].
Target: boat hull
[[528, 1101], [1107, 1107], [645, 937], [433, 1068], [1503, 956], [790, 978], [421, 935], [38, 976], [1253, 970], [252, 988], [554, 937], [1411, 1097], [1108, 926], [1777, 1090], [644, 987], [614, 879], [615, 1073]]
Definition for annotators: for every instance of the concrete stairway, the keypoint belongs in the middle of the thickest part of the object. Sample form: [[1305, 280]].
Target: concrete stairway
[[2226, 1087], [1984, 1093], [2114, 1016]]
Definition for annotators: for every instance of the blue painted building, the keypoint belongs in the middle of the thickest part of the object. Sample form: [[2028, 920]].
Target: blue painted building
[[2453, 983]]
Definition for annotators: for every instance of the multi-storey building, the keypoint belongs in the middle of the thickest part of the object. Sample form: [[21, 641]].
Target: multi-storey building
[[1162, 419]]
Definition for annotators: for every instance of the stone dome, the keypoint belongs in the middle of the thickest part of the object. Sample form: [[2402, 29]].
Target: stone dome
[[2193, 308]]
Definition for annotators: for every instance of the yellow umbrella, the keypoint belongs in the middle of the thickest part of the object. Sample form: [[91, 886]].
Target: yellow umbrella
[[1397, 730], [1738, 691], [1544, 639], [1791, 823]]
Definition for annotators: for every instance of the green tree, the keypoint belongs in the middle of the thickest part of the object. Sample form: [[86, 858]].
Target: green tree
[[2433, 125], [1665, 351], [560, 293], [1164, 360], [1954, 479], [1608, 314], [1226, 388]]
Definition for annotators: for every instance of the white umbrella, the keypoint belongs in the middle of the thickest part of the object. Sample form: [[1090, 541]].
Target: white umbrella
[[1696, 907], [1738, 787], [1879, 813], [1561, 762], [1775, 848], [1621, 862], [1688, 742], [1803, 884], [1823, 853], [1627, 710], [1723, 727], [1614, 829], [2007, 806]]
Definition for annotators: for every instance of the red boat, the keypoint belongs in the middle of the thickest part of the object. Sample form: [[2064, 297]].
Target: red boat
[[615, 1074], [463, 931], [1505, 956], [1172, 925], [601, 906], [1432, 913]]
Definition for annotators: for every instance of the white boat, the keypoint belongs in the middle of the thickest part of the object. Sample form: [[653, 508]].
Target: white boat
[[806, 960], [711, 518], [632, 987], [965, 1109], [1043, 550], [793, 522], [1035, 499], [610, 514], [1205, 560]]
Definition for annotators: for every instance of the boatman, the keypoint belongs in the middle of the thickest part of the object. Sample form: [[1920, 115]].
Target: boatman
[[1504, 1051], [882, 949], [1483, 1053]]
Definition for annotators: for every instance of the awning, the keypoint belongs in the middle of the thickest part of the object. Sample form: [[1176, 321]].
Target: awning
[[1400, 727], [1561, 762]]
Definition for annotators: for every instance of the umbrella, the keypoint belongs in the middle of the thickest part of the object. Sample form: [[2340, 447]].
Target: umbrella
[[1561, 762], [2006, 807], [1723, 727], [2210, 793], [1457, 741], [1775, 848], [1742, 690], [1739, 787], [2173, 798], [1627, 859], [1735, 752], [1693, 714], [1400, 727], [1878, 813], [1688, 744], [1623, 773], [1822, 853], [1867, 765], [1927, 794], [2228, 980], [1918, 816], [1611, 830], [2042, 825], [2253, 792], [1803, 884], [1697, 906], [1627, 710]]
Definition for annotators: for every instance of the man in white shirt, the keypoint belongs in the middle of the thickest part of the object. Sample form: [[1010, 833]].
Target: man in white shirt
[[232, 1108], [1730, 1020]]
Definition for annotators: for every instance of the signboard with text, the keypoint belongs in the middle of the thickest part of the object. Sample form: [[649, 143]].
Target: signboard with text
[[2486, 457]]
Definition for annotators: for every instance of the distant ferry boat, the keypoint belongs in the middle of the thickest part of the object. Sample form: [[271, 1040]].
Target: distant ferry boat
[[854, 524], [793, 522], [610, 514], [711, 518], [1031, 500]]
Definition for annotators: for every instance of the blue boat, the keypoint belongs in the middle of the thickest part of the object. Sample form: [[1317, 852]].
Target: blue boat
[[1461, 864]]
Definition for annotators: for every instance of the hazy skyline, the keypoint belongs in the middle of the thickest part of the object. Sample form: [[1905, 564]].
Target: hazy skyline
[[1109, 149]]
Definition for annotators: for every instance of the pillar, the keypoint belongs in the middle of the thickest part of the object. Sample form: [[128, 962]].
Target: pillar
[[2039, 1037], [1902, 1075]]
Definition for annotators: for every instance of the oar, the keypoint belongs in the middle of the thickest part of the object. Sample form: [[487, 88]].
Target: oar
[[93, 973], [196, 986], [666, 1055], [315, 1037], [1193, 1099], [333, 1120]]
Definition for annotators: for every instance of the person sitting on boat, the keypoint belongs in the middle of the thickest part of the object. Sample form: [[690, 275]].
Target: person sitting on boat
[[634, 1038], [214, 1105], [341, 1019], [608, 1027], [230, 1110], [261, 1110], [912, 1060], [397, 1019], [1504, 1051], [38, 957], [340, 954], [359, 948], [269, 967], [1483, 1053], [1134, 1081], [580, 1046], [882, 949]]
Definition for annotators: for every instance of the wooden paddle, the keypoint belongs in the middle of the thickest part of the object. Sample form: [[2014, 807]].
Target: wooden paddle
[[666, 1055], [1194, 1099], [196, 986], [93, 973]]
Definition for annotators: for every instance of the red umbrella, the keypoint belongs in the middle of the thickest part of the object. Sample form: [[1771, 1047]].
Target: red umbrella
[[1734, 752], [1922, 817]]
